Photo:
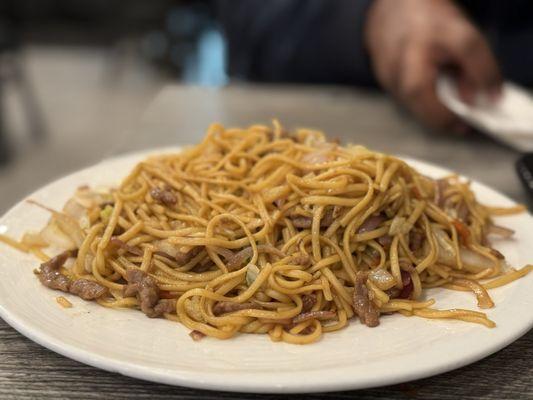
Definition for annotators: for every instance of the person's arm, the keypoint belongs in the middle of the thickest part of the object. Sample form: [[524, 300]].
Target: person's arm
[[412, 41], [297, 40]]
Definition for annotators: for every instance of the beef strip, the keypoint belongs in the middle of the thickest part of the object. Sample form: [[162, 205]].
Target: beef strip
[[165, 306], [363, 306], [183, 258], [279, 203], [416, 239], [313, 315], [115, 243], [496, 253], [308, 330], [408, 286], [385, 241], [51, 277], [308, 301], [302, 222], [301, 259], [164, 196], [165, 249], [371, 223], [205, 266], [223, 307], [87, 290], [329, 216], [237, 260], [374, 256], [145, 288], [440, 187], [196, 335]]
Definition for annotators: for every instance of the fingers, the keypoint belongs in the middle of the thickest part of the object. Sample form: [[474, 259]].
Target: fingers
[[415, 87], [476, 67], [411, 42]]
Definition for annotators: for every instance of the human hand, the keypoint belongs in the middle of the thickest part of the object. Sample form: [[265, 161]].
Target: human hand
[[412, 41]]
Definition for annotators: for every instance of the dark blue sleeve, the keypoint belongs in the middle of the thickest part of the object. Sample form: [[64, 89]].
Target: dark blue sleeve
[[319, 41]]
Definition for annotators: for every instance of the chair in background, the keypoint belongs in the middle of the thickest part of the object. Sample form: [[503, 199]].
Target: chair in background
[[12, 72]]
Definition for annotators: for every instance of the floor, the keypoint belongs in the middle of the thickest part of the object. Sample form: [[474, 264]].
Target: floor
[[83, 92]]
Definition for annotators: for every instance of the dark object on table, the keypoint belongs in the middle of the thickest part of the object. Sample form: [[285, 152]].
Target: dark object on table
[[524, 168]]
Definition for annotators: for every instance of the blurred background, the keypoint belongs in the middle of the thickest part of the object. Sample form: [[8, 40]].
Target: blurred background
[[77, 78], [75, 69]]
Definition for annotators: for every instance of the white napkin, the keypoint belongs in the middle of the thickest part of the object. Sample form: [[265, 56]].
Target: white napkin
[[510, 119]]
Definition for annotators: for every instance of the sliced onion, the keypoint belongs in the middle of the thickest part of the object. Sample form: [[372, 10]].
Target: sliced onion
[[316, 157], [382, 278], [79, 213], [397, 226], [463, 212], [70, 227], [474, 259], [74, 209], [54, 236], [192, 307], [85, 222], [251, 274], [166, 247], [33, 240], [89, 258], [447, 253], [357, 150], [62, 222], [451, 212], [89, 198], [176, 224], [500, 231]]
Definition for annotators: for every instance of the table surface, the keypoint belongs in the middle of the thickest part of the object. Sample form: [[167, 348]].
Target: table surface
[[180, 115]]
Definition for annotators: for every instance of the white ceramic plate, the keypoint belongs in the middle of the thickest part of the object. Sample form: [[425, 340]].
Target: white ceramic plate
[[125, 341]]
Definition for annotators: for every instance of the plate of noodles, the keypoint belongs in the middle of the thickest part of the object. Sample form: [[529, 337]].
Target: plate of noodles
[[262, 260]]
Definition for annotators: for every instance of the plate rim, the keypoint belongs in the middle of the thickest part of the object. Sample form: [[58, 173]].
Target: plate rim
[[217, 380]]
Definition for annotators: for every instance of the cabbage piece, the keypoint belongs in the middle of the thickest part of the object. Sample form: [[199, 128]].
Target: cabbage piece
[[251, 274]]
